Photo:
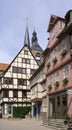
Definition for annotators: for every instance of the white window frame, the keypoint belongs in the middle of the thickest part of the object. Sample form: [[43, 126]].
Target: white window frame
[[66, 71], [57, 76]]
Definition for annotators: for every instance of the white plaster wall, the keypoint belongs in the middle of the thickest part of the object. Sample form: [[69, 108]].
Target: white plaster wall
[[10, 93], [15, 81], [20, 94]]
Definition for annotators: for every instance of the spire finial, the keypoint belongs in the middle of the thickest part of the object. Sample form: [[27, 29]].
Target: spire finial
[[26, 39], [27, 20]]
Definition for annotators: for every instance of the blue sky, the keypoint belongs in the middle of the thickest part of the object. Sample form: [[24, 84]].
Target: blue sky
[[13, 14]]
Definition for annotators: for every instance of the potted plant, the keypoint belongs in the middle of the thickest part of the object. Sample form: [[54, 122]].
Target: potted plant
[[63, 52], [56, 84], [66, 119], [65, 80], [49, 86], [54, 60]]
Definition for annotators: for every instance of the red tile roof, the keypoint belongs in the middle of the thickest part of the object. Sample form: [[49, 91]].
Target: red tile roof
[[3, 66]]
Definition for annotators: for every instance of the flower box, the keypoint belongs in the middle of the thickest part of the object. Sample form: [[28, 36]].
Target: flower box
[[56, 84], [48, 64], [65, 80], [63, 52], [50, 87], [54, 60]]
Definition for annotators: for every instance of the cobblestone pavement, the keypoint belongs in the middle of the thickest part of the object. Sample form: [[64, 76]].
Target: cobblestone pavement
[[24, 124]]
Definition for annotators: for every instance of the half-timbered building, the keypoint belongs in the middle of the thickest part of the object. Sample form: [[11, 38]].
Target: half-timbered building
[[15, 90]]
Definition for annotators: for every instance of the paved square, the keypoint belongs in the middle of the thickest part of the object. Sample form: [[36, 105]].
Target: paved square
[[24, 124]]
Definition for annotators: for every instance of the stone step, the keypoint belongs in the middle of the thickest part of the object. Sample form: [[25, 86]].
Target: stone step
[[57, 123]]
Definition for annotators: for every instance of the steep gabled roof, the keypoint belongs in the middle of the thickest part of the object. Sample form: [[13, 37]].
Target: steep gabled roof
[[16, 57], [53, 20]]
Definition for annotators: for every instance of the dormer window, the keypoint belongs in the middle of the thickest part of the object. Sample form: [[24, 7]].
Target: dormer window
[[60, 24], [53, 32], [25, 52]]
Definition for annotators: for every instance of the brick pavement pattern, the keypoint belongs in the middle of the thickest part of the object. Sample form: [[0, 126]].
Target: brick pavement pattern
[[24, 124]]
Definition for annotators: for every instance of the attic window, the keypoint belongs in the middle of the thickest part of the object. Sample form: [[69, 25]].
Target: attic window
[[25, 52], [53, 32]]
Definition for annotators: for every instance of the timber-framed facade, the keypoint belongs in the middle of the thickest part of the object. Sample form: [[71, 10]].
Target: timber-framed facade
[[14, 81]]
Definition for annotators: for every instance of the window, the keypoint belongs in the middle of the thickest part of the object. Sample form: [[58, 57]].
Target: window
[[48, 58], [66, 71], [22, 82], [64, 44], [25, 60], [32, 71], [38, 56], [5, 93], [7, 80], [24, 70], [28, 61], [25, 52], [19, 70], [15, 93], [14, 69], [55, 52], [57, 76], [24, 94], [53, 31], [50, 79], [60, 24]]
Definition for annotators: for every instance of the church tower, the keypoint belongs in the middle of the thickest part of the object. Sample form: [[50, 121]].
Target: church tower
[[36, 49], [27, 39]]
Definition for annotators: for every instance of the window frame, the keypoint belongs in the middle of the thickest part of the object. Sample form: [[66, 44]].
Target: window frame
[[55, 52], [7, 80], [24, 92], [15, 94], [26, 52], [66, 71], [53, 32], [22, 82], [5, 93], [57, 76], [64, 44]]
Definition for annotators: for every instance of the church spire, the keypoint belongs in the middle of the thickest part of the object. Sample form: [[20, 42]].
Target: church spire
[[26, 39]]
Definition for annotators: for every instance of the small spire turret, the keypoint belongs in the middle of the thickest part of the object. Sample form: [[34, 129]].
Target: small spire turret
[[26, 39]]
